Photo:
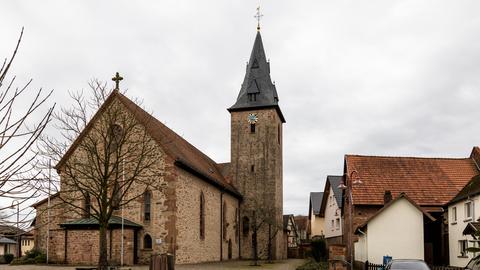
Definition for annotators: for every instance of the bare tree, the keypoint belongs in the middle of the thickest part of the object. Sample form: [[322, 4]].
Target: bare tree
[[264, 218], [22, 120], [105, 161]]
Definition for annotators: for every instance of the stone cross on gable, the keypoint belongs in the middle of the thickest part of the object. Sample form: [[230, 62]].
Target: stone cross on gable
[[117, 80]]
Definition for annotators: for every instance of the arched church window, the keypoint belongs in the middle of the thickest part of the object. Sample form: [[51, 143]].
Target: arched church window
[[116, 133], [147, 198], [224, 221], [246, 225], [147, 241], [87, 205], [279, 133], [202, 216]]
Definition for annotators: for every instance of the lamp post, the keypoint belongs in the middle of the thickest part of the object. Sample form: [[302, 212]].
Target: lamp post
[[16, 202], [354, 179]]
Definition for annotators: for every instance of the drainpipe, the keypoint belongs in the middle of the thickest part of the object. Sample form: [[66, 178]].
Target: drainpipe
[[221, 225], [238, 232]]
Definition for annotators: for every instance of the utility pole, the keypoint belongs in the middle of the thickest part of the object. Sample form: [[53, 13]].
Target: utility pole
[[48, 204]]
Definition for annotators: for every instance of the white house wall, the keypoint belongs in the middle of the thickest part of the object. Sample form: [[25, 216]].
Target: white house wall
[[333, 219], [455, 230], [397, 232], [316, 225]]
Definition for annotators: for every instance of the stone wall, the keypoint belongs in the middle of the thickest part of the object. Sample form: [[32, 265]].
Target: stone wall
[[190, 247], [256, 170]]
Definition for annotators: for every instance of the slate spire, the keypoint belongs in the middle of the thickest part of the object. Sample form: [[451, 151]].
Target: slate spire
[[257, 89]]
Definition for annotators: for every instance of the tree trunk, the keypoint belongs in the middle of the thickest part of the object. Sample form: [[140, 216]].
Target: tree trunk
[[103, 258]]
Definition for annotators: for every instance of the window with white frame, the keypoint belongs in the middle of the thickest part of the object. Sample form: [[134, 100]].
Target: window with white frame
[[463, 245], [337, 224], [468, 210], [454, 214], [333, 224]]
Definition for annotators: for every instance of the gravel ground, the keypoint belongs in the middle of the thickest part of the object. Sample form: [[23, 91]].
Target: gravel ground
[[234, 265]]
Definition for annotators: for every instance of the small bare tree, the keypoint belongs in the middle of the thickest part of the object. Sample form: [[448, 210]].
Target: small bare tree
[[105, 161], [22, 120], [264, 218]]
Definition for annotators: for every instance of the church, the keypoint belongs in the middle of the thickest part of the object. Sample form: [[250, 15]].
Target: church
[[205, 211]]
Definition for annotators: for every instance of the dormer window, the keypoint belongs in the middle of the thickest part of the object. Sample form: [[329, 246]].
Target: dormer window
[[252, 97]]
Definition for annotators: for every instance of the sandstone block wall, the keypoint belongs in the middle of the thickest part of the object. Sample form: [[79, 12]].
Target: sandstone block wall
[[190, 248], [256, 167]]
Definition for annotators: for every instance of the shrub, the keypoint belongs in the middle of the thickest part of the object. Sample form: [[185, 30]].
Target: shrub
[[41, 258], [8, 257], [313, 265], [319, 249], [33, 253]]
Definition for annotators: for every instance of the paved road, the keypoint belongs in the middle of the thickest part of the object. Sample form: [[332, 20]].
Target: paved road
[[235, 265]]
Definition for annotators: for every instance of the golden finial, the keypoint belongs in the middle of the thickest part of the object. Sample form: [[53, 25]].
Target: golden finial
[[258, 16]]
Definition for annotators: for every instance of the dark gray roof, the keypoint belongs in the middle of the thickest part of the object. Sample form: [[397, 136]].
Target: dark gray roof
[[257, 81], [316, 201], [471, 189], [91, 222], [4, 240], [334, 182]]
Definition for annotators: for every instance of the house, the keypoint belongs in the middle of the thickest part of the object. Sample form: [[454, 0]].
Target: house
[[290, 230], [197, 209], [429, 182], [16, 234], [395, 230], [7, 246], [330, 210], [316, 222], [463, 223], [27, 242], [302, 226]]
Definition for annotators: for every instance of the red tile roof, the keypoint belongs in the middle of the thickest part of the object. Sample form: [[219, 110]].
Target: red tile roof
[[427, 181]]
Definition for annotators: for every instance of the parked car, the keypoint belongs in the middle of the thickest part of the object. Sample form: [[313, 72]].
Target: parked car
[[407, 265], [474, 264]]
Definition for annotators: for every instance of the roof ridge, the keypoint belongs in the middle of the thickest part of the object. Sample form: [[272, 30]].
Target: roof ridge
[[409, 157]]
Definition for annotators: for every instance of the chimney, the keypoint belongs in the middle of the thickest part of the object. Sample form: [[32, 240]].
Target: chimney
[[387, 197]]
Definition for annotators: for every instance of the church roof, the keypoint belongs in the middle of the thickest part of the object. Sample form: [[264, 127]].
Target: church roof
[[185, 155], [257, 82]]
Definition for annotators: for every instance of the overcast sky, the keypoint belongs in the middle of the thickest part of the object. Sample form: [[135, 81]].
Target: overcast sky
[[381, 77]]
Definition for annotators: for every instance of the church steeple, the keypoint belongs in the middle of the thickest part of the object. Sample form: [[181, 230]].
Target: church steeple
[[257, 89]]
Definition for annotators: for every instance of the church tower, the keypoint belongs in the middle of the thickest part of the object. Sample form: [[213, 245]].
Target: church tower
[[256, 158]]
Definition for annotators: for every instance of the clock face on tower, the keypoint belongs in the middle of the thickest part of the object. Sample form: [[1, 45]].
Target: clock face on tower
[[252, 118]]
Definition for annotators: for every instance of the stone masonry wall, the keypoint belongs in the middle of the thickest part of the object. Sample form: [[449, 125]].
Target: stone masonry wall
[[256, 167], [190, 248]]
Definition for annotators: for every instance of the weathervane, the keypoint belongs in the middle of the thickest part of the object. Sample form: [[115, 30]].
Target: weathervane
[[117, 80], [258, 16]]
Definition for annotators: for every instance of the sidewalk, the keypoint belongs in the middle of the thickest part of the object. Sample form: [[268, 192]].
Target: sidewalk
[[234, 265]]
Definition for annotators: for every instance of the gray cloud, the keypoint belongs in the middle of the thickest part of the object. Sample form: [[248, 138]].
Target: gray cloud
[[376, 77]]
